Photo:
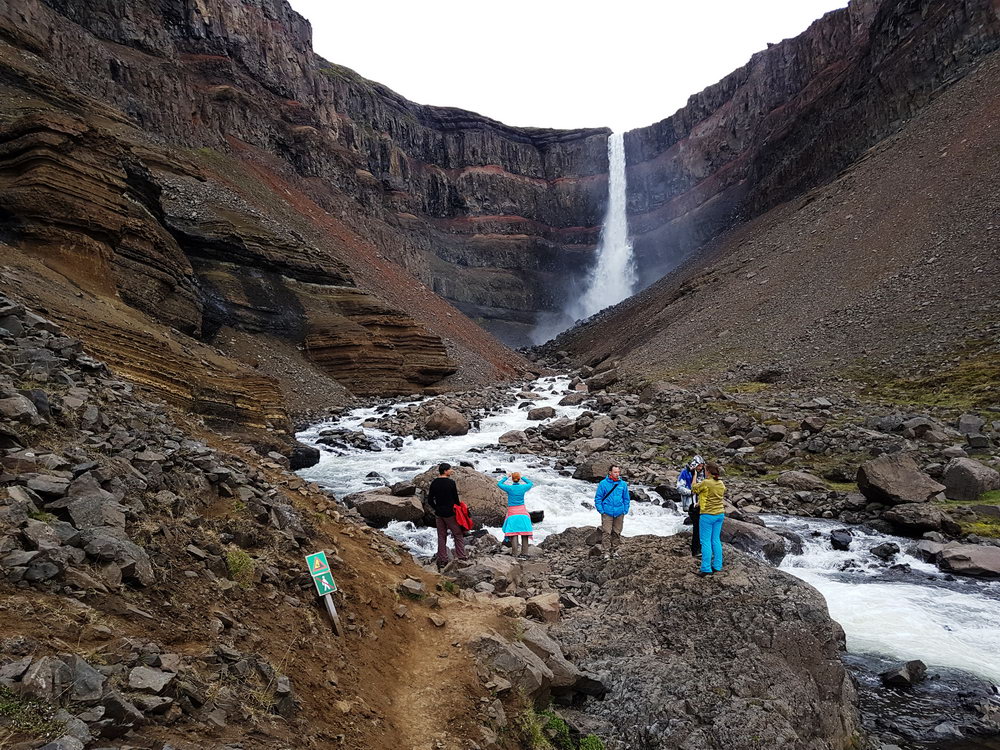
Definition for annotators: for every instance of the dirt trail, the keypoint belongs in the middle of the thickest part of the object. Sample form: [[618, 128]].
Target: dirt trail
[[435, 700]]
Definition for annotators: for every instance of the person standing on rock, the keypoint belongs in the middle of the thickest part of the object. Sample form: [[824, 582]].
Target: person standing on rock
[[612, 501], [442, 496], [693, 472], [517, 525], [710, 492]]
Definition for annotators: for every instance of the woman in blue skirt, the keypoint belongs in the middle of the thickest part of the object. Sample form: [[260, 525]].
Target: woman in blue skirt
[[517, 525]]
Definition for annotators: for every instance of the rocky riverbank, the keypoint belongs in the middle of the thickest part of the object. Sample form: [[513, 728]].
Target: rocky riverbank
[[929, 475]]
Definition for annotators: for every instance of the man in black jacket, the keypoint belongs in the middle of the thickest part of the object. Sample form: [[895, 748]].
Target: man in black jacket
[[442, 496]]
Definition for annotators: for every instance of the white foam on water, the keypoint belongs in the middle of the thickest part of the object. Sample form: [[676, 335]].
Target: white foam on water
[[562, 498], [944, 624]]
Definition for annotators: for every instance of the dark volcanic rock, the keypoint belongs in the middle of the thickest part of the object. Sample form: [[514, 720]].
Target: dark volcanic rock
[[778, 653], [894, 479]]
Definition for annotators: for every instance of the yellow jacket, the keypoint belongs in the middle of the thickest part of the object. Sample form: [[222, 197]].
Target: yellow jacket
[[710, 492]]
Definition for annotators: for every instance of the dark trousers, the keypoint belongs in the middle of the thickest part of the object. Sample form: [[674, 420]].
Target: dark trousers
[[444, 525], [695, 515]]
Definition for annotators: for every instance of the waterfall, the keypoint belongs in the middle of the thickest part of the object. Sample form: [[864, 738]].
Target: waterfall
[[613, 276]]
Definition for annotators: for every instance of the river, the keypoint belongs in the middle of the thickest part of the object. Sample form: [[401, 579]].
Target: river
[[918, 613]]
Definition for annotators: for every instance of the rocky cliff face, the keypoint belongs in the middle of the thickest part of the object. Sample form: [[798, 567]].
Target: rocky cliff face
[[793, 117], [491, 217]]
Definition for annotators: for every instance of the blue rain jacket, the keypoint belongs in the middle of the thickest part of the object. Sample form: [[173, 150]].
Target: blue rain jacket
[[515, 492], [612, 498]]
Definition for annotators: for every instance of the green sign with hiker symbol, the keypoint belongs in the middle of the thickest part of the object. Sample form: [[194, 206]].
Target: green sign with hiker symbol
[[322, 577]]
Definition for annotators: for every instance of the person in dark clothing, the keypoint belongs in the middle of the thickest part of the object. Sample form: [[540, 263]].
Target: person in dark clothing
[[442, 496]]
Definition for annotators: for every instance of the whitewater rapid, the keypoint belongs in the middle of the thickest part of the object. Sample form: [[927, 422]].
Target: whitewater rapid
[[914, 614]]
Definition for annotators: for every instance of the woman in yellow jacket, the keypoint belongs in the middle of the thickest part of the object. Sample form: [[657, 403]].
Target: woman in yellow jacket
[[710, 492]]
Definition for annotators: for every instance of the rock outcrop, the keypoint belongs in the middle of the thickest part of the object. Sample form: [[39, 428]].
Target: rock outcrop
[[746, 659]]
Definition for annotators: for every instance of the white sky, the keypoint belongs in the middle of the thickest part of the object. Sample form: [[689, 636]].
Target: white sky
[[553, 63]]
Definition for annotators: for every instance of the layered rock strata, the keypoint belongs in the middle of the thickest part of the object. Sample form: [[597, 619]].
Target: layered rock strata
[[490, 216]]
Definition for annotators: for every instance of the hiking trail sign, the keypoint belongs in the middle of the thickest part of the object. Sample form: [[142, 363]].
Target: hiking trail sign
[[322, 578]]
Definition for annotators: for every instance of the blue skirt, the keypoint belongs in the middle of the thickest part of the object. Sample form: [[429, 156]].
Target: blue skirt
[[518, 521]]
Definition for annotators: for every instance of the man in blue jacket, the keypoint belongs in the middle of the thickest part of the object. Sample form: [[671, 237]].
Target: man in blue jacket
[[612, 501]]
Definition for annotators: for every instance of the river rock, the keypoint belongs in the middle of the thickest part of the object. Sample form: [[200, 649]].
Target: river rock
[[540, 413], [302, 456], [566, 677], [573, 399], [968, 479], [780, 646], [905, 675], [801, 481], [978, 560], [561, 429], [382, 509], [594, 468], [913, 519], [841, 539], [447, 421], [486, 501], [754, 539], [513, 437], [885, 551], [893, 479]]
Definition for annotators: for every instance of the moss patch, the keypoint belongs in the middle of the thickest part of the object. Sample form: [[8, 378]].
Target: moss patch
[[240, 566], [985, 527], [974, 381], [990, 498], [26, 716]]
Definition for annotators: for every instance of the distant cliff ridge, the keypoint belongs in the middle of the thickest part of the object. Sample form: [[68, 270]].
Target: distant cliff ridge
[[793, 117]]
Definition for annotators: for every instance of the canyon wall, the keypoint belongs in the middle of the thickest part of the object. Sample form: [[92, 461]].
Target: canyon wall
[[491, 217], [793, 117]]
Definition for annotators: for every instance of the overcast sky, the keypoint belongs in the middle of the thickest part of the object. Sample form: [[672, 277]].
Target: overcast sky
[[553, 63]]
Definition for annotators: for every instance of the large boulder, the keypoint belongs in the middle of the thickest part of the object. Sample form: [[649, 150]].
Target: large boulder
[[587, 446], [566, 677], [381, 509], [517, 663], [302, 456], [895, 478], [801, 480], [968, 479], [913, 519], [540, 413], [594, 468], [980, 560], [602, 380], [447, 421], [652, 631], [513, 437], [561, 429], [486, 501], [754, 539]]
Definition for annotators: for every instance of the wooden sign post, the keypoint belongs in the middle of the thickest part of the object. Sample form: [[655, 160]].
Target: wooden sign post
[[322, 577]]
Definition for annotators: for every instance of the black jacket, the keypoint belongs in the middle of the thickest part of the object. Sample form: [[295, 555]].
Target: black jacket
[[442, 496]]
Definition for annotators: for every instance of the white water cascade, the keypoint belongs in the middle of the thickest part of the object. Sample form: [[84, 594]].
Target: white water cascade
[[613, 277]]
